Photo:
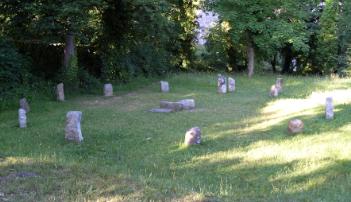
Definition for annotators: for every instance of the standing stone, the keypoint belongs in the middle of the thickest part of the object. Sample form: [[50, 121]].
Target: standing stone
[[279, 84], [221, 84], [274, 91], [188, 104], [329, 108], [60, 94], [22, 118], [72, 130], [108, 90], [193, 136], [174, 106], [295, 126], [231, 84], [164, 86], [24, 104]]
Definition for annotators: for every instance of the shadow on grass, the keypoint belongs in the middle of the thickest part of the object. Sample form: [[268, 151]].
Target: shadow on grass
[[248, 176], [49, 181]]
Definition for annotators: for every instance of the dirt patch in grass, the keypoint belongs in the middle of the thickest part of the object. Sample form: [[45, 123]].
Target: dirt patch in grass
[[103, 101]]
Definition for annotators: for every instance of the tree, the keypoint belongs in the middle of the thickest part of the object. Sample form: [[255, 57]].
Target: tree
[[52, 22], [264, 26]]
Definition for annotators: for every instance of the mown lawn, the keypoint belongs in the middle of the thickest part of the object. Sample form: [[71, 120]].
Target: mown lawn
[[130, 154]]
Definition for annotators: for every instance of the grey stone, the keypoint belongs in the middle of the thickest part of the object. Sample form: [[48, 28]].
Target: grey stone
[[329, 108], [24, 104], [193, 136], [108, 90], [175, 106], [274, 91], [60, 94], [22, 118], [188, 104], [295, 126], [221, 84], [231, 84], [279, 84], [161, 110], [164, 86], [73, 131]]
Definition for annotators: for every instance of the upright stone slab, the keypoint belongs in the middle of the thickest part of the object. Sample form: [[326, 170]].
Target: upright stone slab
[[174, 106], [60, 94], [274, 91], [279, 84], [295, 126], [72, 130], [24, 104], [164, 86], [221, 84], [22, 118], [108, 90], [329, 108], [188, 104], [231, 84], [193, 136]]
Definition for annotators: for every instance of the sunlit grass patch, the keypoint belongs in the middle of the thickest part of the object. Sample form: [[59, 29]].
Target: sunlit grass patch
[[130, 154]]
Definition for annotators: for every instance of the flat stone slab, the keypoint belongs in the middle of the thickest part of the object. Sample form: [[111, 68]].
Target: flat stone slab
[[161, 110], [175, 106]]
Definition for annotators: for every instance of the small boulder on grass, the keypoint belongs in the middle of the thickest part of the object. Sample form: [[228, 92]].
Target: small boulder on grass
[[193, 136], [295, 126], [274, 91], [188, 104], [164, 86], [108, 90]]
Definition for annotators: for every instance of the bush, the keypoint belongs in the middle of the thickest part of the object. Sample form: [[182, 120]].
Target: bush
[[87, 82], [13, 67]]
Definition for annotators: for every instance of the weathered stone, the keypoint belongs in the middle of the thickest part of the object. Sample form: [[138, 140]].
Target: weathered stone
[[193, 136], [295, 126], [279, 84], [164, 86], [161, 110], [108, 90], [22, 118], [175, 106], [329, 108], [188, 104], [60, 94], [274, 91], [24, 104], [231, 84], [221, 84], [72, 130]]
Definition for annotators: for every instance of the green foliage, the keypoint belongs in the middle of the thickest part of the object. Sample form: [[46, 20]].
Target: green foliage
[[87, 82], [268, 25], [70, 74], [14, 73], [134, 49], [13, 67]]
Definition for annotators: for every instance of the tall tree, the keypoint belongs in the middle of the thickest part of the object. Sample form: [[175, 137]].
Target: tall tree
[[51, 22], [264, 26]]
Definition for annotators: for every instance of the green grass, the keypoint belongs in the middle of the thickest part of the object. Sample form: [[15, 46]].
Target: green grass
[[129, 154]]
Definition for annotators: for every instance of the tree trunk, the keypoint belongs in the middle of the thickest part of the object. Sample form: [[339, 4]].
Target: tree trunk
[[69, 50], [287, 60], [250, 59], [274, 63]]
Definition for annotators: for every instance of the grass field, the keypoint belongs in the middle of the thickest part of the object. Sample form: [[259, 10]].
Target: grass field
[[130, 154]]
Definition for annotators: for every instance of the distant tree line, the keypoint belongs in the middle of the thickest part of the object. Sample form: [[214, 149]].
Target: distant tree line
[[294, 36], [84, 42]]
